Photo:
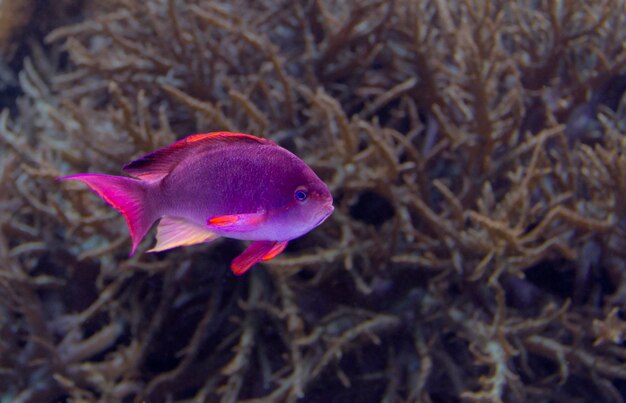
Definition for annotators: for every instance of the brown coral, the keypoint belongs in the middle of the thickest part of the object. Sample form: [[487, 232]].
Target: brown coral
[[476, 153]]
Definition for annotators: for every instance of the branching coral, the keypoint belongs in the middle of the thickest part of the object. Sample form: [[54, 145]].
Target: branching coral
[[475, 150]]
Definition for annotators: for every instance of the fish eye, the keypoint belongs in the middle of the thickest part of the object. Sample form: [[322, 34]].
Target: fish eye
[[301, 194]]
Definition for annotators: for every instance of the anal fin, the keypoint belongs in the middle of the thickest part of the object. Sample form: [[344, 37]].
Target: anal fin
[[175, 231]]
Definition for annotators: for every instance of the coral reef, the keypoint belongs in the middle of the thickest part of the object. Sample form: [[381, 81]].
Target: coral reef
[[476, 152]]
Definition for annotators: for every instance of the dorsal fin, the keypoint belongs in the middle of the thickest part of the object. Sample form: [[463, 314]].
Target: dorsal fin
[[160, 163]]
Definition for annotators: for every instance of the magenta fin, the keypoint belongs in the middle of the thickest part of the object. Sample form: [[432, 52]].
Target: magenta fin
[[160, 163], [127, 195], [256, 252], [236, 222], [276, 250], [175, 231]]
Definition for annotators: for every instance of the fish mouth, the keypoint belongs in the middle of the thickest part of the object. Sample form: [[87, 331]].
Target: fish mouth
[[328, 210]]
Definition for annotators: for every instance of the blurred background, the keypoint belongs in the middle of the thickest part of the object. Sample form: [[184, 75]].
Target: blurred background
[[475, 150]]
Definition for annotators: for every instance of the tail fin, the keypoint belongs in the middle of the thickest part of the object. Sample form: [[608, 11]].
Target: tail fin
[[128, 196]]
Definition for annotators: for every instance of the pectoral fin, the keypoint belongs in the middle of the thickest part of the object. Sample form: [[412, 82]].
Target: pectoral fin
[[175, 231], [256, 252], [236, 222]]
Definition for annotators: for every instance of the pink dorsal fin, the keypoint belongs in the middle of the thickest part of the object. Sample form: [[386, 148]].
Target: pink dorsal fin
[[160, 163]]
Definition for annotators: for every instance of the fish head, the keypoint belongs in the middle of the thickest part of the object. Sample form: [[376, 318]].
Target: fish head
[[306, 202], [313, 202]]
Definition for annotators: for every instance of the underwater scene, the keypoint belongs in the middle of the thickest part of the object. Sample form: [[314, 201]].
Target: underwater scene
[[312, 201]]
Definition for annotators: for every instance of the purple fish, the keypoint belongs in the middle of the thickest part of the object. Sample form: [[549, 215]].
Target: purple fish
[[218, 184]]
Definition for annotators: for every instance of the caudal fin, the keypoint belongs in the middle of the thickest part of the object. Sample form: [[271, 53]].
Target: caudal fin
[[128, 196]]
